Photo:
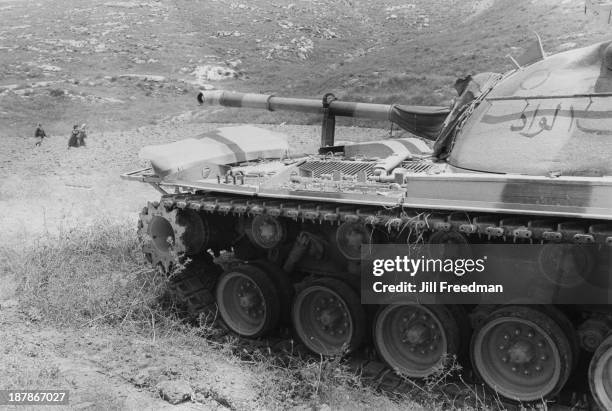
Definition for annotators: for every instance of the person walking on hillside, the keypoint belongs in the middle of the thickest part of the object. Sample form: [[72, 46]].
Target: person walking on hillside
[[39, 134], [73, 141], [82, 135]]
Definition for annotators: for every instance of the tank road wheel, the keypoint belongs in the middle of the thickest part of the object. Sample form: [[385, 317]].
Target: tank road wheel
[[284, 287], [600, 374], [415, 340], [328, 317], [265, 231], [522, 353], [248, 301], [167, 235]]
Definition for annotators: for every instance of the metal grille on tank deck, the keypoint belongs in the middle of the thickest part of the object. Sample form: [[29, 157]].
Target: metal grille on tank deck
[[417, 166], [316, 168]]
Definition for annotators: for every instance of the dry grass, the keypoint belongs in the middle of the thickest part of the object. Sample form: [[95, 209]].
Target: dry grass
[[295, 381], [86, 275], [322, 382]]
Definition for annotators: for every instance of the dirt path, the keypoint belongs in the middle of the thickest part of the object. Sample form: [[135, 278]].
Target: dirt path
[[107, 369]]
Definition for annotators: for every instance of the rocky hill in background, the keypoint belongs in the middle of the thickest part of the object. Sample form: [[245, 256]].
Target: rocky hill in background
[[126, 64]]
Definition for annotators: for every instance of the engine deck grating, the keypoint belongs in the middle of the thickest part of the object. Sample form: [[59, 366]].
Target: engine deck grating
[[316, 168], [417, 166]]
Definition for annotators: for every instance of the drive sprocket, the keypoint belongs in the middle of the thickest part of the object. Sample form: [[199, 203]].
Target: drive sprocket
[[168, 235], [173, 242]]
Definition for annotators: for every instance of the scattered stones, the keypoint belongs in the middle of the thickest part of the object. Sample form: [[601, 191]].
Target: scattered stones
[[125, 4], [228, 34], [479, 7], [301, 47], [146, 377], [241, 6], [327, 34], [234, 63], [144, 77], [49, 67], [9, 87], [401, 7], [352, 82], [285, 24], [24, 26], [43, 84], [24, 92], [73, 43], [213, 73], [175, 391], [110, 100], [208, 402]]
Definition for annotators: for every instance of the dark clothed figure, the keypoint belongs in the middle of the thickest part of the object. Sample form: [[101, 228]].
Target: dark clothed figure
[[73, 141], [39, 134], [82, 135]]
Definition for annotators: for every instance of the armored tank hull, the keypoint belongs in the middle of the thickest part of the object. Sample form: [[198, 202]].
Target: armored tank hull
[[521, 158]]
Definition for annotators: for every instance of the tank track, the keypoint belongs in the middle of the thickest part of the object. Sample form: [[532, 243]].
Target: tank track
[[193, 288], [508, 228], [194, 285]]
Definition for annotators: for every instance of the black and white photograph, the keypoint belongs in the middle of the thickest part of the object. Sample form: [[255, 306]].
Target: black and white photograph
[[306, 205]]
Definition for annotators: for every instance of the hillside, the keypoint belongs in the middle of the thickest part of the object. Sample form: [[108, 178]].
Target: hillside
[[124, 64]]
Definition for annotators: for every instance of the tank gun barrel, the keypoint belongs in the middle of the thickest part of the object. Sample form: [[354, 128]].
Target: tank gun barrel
[[423, 121], [272, 103]]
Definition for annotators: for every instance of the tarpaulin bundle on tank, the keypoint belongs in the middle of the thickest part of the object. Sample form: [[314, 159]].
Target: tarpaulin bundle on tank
[[423, 121]]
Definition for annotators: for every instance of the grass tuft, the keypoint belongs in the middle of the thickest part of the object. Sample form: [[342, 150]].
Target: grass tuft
[[88, 274]]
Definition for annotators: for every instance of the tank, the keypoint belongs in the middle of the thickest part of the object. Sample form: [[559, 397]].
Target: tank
[[521, 157]]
